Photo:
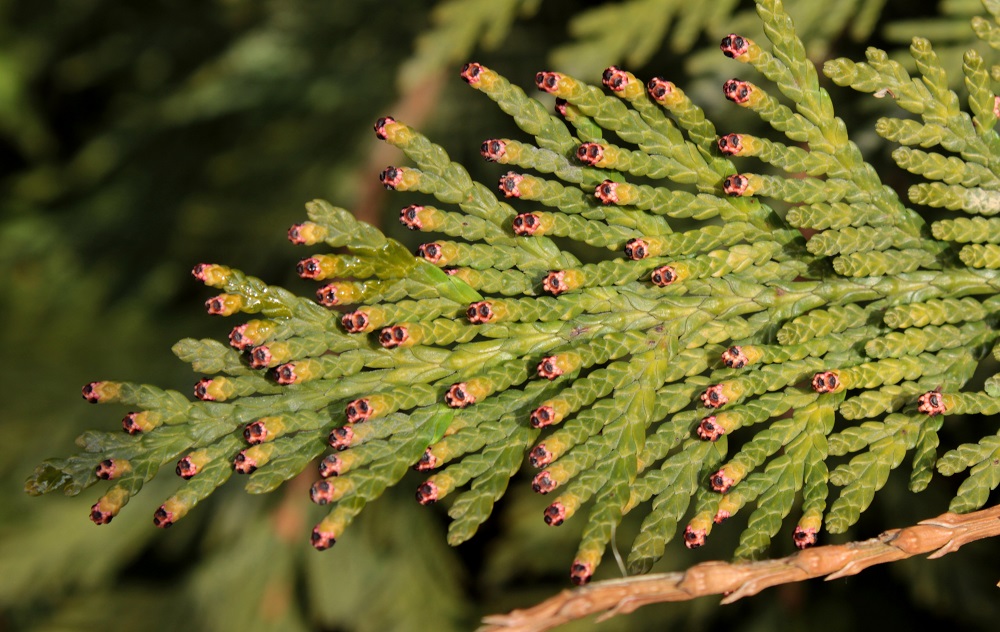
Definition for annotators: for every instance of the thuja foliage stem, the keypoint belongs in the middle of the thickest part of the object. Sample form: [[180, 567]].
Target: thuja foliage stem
[[710, 360], [936, 536]]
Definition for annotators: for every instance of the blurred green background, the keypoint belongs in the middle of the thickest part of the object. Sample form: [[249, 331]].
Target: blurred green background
[[138, 138]]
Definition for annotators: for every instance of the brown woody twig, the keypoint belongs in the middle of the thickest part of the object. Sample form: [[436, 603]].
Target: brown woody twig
[[937, 536]]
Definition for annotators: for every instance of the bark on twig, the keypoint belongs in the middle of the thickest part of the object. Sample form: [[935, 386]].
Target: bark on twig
[[937, 536]]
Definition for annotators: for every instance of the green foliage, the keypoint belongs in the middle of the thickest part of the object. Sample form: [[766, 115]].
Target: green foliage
[[458, 393], [441, 365], [631, 32]]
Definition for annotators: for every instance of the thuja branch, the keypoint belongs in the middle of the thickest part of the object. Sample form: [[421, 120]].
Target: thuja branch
[[709, 361], [938, 536]]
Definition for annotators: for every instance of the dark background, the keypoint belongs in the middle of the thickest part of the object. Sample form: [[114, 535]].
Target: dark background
[[138, 138]]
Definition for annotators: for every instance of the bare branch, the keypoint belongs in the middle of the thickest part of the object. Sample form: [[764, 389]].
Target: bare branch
[[937, 536]]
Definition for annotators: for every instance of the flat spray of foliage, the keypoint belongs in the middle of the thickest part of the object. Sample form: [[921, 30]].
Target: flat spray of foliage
[[713, 358]]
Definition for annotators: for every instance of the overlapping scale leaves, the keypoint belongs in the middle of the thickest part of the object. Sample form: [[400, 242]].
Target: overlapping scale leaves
[[624, 313]]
